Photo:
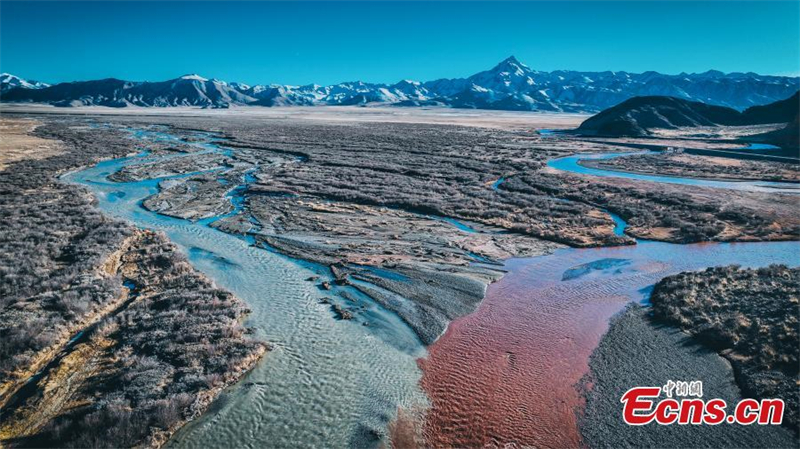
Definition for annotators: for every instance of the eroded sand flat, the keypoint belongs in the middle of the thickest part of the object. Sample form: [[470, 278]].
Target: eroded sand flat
[[521, 120], [16, 142]]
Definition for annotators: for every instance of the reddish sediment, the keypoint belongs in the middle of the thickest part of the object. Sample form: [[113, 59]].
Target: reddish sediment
[[509, 373]]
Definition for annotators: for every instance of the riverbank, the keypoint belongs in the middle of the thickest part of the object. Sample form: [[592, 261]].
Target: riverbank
[[706, 167], [750, 317], [99, 310], [139, 381], [639, 352], [615, 165]]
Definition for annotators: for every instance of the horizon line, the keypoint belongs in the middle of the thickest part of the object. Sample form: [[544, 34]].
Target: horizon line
[[195, 73]]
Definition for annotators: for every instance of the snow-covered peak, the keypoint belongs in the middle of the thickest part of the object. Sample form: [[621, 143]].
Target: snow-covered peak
[[9, 81], [258, 88], [508, 76], [511, 60], [512, 66], [194, 77]]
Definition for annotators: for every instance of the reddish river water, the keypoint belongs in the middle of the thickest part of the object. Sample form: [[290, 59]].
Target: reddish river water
[[509, 372]]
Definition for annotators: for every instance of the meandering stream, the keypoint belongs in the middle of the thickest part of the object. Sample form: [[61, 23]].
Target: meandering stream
[[332, 383], [573, 164]]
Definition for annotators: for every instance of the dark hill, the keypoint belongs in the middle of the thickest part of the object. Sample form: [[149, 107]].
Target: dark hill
[[788, 138], [781, 111], [637, 116]]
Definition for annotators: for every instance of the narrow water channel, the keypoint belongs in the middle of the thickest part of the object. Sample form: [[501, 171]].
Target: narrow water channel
[[573, 164]]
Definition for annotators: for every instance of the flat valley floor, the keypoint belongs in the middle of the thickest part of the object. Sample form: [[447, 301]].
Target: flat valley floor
[[342, 276]]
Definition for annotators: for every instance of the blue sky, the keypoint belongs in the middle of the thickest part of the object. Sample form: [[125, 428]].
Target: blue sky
[[299, 42]]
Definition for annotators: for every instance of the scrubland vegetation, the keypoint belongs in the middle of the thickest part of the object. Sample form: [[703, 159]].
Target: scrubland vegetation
[[52, 245], [127, 339], [748, 315], [160, 359], [446, 171], [668, 214], [452, 171]]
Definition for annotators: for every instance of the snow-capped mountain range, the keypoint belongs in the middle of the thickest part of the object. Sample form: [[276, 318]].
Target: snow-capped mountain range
[[510, 85], [9, 81]]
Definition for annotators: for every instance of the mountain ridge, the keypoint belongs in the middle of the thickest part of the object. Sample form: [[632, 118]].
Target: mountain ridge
[[9, 81], [509, 85], [636, 116]]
